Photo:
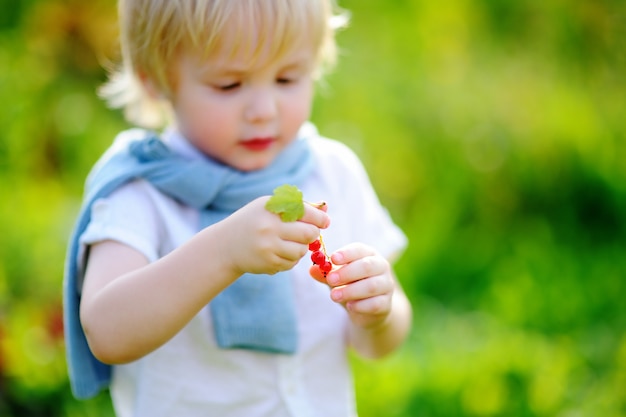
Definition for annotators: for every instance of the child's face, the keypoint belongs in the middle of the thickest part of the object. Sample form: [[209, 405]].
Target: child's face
[[243, 115]]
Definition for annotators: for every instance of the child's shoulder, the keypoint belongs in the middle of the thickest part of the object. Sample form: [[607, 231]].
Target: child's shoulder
[[333, 148], [336, 154]]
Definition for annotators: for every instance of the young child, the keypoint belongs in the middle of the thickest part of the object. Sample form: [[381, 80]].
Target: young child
[[183, 294]]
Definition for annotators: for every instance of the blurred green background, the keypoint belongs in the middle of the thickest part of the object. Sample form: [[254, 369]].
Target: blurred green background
[[493, 130]]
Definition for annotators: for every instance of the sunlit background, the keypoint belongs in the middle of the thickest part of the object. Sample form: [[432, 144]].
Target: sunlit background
[[493, 130]]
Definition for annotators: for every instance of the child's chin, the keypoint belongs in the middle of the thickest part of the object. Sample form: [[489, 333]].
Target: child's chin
[[250, 166]]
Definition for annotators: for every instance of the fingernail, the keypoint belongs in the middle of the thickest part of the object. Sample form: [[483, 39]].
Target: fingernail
[[337, 257], [336, 294], [332, 278]]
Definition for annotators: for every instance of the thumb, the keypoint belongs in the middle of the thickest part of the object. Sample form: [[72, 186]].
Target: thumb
[[317, 274]]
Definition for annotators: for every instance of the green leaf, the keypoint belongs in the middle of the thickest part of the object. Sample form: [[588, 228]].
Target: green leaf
[[287, 203]]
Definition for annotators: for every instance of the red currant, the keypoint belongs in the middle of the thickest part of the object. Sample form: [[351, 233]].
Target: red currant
[[318, 257], [313, 246]]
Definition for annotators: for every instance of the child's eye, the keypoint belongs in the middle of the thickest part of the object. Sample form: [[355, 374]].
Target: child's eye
[[284, 80], [228, 87]]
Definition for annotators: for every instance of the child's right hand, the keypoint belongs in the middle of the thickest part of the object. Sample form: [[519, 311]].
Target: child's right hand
[[259, 242]]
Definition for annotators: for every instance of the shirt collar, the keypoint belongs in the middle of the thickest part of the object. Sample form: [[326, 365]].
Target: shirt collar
[[173, 138]]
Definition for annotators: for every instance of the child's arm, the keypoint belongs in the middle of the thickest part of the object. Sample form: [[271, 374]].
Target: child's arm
[[130, 307], [380, 312]]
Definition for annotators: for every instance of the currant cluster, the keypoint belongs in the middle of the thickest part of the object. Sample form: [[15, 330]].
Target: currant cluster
[[319, 257]]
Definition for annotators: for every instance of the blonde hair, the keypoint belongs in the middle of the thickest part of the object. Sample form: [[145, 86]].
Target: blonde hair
[[152, 32]]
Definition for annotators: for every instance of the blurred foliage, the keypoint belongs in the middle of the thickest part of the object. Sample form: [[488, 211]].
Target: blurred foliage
[[493, 130]]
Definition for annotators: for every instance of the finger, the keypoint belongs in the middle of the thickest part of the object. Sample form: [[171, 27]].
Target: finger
[[369, 266], [291, 251], [317, 274], [375, 306], [371, 287], [351, 253], [314, 216], [274, 265], [303, 233]]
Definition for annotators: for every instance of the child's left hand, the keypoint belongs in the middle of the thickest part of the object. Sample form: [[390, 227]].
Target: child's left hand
[[363, 283]]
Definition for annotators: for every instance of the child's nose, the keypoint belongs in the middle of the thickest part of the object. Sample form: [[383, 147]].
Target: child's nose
[[262, 105]]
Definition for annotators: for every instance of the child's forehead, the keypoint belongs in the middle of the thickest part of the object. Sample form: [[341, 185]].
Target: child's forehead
[[245, 62], [252, 48]]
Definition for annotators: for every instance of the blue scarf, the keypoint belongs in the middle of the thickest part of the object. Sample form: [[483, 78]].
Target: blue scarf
[[257, 311]]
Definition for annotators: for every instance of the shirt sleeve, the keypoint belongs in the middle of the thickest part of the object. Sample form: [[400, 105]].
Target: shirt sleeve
[[127, 216], [372, 223], [357, 214]]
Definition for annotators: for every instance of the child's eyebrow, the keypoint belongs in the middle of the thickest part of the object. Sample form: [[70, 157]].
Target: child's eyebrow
[[300, 63], [209, 72], [242, 71]]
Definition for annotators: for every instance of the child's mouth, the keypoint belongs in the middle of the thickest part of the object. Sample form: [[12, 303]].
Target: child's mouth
[[257, 144]]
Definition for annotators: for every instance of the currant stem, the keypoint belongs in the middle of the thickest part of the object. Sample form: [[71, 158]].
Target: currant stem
[[319, 206], [316, 205], [323, 246]]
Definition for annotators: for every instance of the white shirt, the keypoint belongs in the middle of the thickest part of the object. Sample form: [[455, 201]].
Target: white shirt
[[190, 376]]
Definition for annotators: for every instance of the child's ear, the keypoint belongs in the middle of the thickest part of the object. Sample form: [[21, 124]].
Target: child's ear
[[150, 86]]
